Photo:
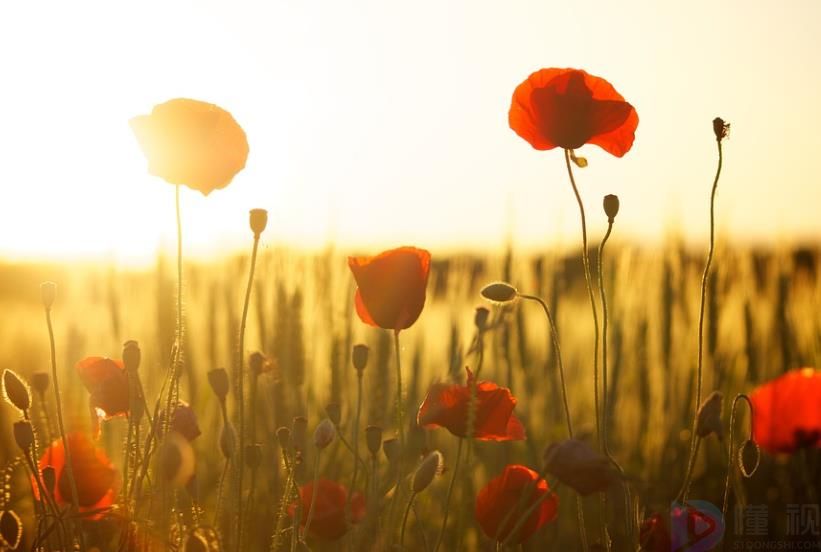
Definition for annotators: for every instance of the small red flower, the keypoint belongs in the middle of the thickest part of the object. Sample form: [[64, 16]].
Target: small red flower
[[107, 382], [193, 143], [391, 287], [446, 405], [499, 503], [97, 480], [329, 509], [568, 108], [786, 412]]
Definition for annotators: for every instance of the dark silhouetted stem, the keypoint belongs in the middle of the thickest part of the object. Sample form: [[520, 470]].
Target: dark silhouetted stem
[[447, 498]]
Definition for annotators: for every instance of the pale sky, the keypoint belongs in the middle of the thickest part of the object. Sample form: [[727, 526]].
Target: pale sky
[[382, 123]]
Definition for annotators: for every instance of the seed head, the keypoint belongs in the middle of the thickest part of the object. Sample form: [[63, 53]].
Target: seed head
[[430, 467], [40, 381], [709, 416], [16, 391], [611, 207], [324, 434], [373, 436], [258, 218], [499, 292], [131, 355], [23, 435], [720, 128], [48, 292], [218, 378], [359, 356]]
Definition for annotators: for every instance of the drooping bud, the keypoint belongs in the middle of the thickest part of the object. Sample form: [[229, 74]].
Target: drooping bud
[[499, 292], [11, 530], [23, 435], [334, 412], [708, 419], [284, 438], [580, 467], [253, 455], [324, 434], [40, 381], [131, 355], [480, 318], [48, 293], [611, 207], [218, 378], [749, 457], [299, 432], [720, 128], [228, 440], [359, 356], [258, 218], [392, 449], [580, 162], [16, 391], [431, 466], [373, 437]]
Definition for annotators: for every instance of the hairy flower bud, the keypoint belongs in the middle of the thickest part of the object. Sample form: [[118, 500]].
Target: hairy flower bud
[[48, 292], [131, 355], [708, 419], [720, 128], [373, 437], [359, 356], [16, 391], [258, 219], [480, 318], [11, 530], [324, 434], [499, 292], [218, 378], [611, 207], [23, 435], [431, 466], [749, 456]]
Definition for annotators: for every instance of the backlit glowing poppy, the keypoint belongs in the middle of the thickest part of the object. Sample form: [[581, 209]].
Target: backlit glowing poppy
[[97, 480], [107, 382], [329, 509], [499, 505], [193, 143], [568, 108], [446, 405], [786, 412], [391, 287]]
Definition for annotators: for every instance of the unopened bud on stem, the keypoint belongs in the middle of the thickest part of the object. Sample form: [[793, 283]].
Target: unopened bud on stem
[[259, 220], [611, 207]]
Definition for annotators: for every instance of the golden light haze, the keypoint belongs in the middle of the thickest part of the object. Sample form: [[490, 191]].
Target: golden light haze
[[382, 123]]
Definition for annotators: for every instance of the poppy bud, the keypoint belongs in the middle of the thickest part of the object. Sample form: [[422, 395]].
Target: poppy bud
[[284, 437], [299, 432], [611, 207], [430, 467], [40, 381], [708, 419], [749, 456], [49, 475], [373, 436], [11, 530], [131, 355], [218, 378], [499, 292], [258, 219], [253, 455], [16, 391], [334, 412], [578, 466], [23, 435], [720, 128], [228, 440], [324, 434], [391, 448], [580, 162], [480, 318], [359, 356], [48, 292]]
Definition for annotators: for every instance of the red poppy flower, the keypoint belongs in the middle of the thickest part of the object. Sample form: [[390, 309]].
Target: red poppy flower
[[97, 480], [446, 405], [502, 495], [391, 287], [786, 413], [329, 509], [193, 143], [107, 382], [568, 108]]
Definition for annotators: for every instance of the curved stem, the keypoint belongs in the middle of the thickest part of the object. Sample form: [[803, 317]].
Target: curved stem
[[313, 496], [730, 455], [589, 281], [240, 398], [447, 498], [405, 520]]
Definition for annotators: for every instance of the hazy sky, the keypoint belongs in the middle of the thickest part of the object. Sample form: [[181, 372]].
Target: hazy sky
[[382, 123]]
